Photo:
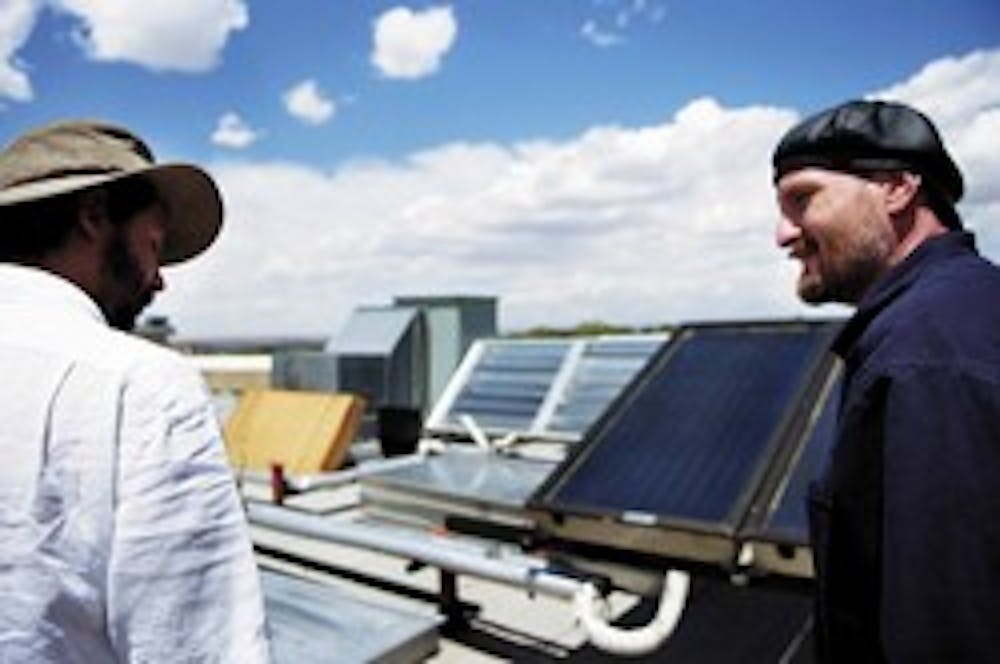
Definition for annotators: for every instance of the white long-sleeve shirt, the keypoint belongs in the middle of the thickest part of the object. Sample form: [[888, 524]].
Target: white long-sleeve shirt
[[121, 532]]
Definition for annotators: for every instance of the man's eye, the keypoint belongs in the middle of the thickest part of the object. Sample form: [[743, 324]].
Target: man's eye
[[800, 199]]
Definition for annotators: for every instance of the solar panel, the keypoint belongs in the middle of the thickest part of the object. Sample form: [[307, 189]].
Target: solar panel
[[468, 475], [777, 527], [604, 367], [691, 438], [503, 385], [788, 521], [548, 389]]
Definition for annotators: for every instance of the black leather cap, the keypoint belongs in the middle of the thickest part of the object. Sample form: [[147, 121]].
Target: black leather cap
[[866, 136]]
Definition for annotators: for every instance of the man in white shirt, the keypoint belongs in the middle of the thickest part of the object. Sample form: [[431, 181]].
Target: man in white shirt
[[121, 533]]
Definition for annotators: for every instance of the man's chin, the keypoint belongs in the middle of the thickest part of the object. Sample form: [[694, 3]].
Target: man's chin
[[125, 319], [125, 323], [813, 291]]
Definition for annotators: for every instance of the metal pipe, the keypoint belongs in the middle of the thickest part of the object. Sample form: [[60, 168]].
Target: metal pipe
[[522, 572], [333, 479], [531, 574], [341, 477]]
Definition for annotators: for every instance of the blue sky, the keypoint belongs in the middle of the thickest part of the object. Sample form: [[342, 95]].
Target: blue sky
[[580, 159]]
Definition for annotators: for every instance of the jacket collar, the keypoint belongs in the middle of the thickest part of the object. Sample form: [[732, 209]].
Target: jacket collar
[[897, 280]]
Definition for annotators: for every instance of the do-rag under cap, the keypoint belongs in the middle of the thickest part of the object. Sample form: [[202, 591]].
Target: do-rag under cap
[[867, 136], [71, 156]]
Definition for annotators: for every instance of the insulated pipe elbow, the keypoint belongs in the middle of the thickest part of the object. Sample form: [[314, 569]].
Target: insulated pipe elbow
[[640, 640]]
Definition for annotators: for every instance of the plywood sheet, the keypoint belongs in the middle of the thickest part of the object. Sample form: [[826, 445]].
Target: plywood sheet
[[305, 432]]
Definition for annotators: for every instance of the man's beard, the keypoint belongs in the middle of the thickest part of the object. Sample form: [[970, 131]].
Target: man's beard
[[848, 268], [843, 281], [126, 273]]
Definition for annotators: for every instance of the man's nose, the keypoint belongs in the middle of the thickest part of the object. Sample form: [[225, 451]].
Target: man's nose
[[786, 233]]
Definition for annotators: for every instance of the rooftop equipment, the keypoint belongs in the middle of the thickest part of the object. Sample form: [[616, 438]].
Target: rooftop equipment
[[381, 355], [452, 324], [697, 461]]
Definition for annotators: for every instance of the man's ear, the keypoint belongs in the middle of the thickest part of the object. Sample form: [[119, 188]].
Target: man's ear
[[901, 190], [92, 213]]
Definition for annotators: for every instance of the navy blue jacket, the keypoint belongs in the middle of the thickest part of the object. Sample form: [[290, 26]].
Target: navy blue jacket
[[905, 519]]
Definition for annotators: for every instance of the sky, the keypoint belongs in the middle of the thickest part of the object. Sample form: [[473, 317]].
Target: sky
[[580, 160]]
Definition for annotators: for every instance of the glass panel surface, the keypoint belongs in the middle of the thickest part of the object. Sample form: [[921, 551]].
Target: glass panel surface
[[789, 521], [604, 368], [509, 383], [687, 441]]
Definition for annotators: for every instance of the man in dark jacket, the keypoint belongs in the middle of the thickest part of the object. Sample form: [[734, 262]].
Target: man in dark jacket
[[905, 517]]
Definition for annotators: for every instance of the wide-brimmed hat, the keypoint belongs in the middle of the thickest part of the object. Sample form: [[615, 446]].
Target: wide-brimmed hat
[[70, 156]]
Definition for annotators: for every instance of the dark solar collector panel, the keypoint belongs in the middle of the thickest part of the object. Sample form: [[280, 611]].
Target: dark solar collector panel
[[776, 528], [688, 441], [788, 522]]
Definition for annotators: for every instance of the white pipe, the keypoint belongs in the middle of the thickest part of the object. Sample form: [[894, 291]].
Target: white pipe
[[639, 640], [329, 480], [477, 434], [506, 441], [431, 446], [341, 477]]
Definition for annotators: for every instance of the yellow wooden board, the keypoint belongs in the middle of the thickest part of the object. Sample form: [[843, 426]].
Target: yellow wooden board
[[305, 432]]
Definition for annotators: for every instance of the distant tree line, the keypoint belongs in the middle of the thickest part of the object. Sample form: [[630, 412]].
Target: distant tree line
[[588, 328]]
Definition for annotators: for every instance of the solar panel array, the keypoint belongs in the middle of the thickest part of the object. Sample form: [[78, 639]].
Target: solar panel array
[[547, 389], [692, 438]]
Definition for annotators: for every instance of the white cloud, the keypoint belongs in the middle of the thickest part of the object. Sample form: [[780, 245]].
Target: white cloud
[[232, 131], [598, 37], [17, 18], [410, 44], [953, 89], [662, 223], [307, 102], [613, 225], [624, 15], [962, 96], [183, 35]]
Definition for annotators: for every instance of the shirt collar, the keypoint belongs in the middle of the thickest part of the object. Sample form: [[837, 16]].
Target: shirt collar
[[35, 286], [898, 279]]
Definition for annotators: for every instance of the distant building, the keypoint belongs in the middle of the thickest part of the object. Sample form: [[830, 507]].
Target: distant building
[[400, 355], [403, 355], [452, 323], [155, 328]]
